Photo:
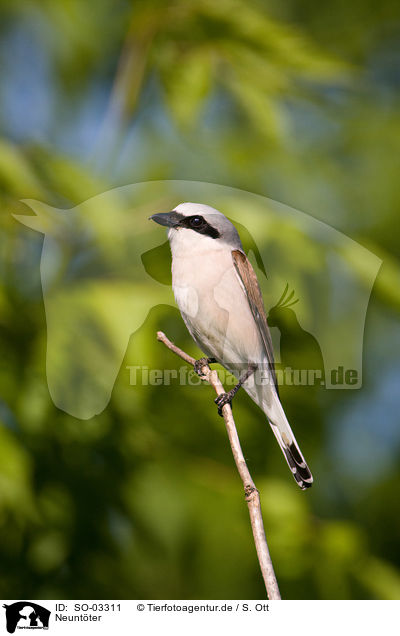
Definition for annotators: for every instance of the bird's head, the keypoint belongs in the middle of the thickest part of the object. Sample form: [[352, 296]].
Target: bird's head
[[195, 227]]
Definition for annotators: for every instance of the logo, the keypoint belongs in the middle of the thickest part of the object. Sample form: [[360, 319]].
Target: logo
[[105, 267], [26, 615]]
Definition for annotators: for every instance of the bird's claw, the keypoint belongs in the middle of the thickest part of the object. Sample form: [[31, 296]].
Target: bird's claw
[[221, 400], [199, 364]]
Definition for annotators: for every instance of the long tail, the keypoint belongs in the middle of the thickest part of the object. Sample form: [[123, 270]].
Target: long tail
[[267, 399], [292, 453], [273, 409]]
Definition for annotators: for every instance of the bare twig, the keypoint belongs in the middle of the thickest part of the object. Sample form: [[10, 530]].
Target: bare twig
[[251, 493]]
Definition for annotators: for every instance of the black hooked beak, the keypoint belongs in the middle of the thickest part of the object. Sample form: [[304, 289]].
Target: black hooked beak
[[169, 219]]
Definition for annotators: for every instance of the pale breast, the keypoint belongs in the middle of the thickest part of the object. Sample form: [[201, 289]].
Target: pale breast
[[214, 307]]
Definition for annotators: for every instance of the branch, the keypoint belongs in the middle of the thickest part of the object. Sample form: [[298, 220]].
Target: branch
[[251, 493]]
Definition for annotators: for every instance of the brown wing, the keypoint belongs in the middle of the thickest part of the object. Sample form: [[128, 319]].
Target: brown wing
[[249, 279]]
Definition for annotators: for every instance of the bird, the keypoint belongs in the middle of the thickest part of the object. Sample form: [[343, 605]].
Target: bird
[[219, 297]]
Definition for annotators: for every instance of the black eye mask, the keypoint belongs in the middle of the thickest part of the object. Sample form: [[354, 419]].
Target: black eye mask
[[200, 225]]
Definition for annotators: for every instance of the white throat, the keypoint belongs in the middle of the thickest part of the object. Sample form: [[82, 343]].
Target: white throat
[[186, 243]]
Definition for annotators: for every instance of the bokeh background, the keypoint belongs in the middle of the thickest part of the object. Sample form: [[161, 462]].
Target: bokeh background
[[295, 101]]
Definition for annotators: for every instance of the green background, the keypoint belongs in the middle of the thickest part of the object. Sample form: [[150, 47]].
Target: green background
[[295, 101]]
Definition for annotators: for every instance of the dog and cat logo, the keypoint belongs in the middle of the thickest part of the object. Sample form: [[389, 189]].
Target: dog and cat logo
[[26, 615]]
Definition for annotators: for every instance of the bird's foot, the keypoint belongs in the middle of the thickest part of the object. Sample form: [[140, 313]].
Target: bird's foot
[[224, 398], [202, 362]]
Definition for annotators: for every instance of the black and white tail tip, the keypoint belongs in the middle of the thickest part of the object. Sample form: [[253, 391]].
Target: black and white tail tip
[[298, 466]]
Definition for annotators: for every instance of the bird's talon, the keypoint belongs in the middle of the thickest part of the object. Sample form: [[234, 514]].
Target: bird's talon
[[199, 364], [221, 400]]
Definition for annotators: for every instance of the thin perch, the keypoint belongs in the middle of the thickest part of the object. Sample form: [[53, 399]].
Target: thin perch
[[252, 495]]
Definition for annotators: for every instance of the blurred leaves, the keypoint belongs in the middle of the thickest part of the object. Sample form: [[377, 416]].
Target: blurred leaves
[[188, 86], [201, 47], [15, 474], [16, 172]]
